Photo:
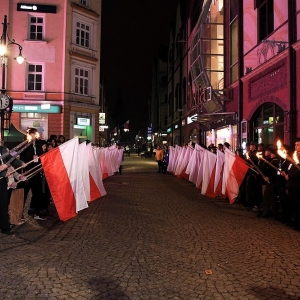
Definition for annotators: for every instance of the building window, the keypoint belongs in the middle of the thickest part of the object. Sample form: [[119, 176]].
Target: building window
[[81, 81], [82, 34], [265, 16], [36, 28], [84, 2], [268, 124], [35, 77]]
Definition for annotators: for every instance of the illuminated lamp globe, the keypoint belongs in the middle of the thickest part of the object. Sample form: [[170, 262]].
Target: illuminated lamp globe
[[20, 59], [2, 50]]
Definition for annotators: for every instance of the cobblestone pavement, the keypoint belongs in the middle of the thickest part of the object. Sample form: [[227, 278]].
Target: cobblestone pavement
[[152, 236]]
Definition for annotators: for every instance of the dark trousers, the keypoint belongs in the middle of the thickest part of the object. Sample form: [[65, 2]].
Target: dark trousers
[[38, 200], [253, 191], [268, 204], [295, 205], [4, 219], [164, 167], [160, 165]]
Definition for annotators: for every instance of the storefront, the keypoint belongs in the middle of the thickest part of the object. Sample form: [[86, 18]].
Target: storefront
[[38, 116], [82, 127], [221, 135]]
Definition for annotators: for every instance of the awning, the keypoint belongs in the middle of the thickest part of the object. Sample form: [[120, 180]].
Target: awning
[[15, 134], [208, 119]]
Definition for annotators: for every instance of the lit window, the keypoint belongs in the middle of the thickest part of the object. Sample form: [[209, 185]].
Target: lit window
[[81, 81], [36, 27], [35, 77], [82, 34]]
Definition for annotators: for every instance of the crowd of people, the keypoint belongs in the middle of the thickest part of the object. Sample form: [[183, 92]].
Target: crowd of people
[[271, 188], [21, 173]]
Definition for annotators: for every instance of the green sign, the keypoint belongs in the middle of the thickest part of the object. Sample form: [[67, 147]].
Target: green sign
[[39, 108]]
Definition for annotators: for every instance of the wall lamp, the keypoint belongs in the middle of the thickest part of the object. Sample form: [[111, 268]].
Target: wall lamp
[[280, 44], [3, 45]]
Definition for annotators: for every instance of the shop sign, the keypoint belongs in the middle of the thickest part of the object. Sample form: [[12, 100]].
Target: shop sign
[[36, 8], [43, 108], [101, 128], [101, 118], [83, 121]]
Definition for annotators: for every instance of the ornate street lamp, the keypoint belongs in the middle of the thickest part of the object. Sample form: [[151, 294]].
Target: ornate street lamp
[[6, 102]]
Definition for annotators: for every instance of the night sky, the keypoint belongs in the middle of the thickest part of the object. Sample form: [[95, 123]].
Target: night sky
[[132, 32]]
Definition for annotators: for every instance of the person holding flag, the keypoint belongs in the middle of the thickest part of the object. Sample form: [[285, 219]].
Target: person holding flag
[[4, 217], [38, 205]]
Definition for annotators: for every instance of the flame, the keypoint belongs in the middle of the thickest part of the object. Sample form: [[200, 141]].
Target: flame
[[295, 157], [28, 137], [281, 151], [259, 155], [279, 145], [247, 155]]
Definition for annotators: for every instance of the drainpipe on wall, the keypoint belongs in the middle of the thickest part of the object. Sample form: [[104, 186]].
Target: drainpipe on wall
[[240, 74], [292, 66]]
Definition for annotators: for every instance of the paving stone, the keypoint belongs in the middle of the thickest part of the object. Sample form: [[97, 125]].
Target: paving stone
[[152, 236]]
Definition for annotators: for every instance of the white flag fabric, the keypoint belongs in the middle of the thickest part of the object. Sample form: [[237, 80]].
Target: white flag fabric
[[209, 162], [82, 203], [200, 167], [219, 168]]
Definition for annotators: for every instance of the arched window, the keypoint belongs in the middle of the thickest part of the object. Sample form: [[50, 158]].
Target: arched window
[[268, 124]]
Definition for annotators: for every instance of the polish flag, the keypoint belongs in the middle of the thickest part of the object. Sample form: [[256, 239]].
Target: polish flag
[[199, 169], [103, 162], [209, 170], [96, 184], [235, 169], [61, 168], [219, 173], [82, 203]]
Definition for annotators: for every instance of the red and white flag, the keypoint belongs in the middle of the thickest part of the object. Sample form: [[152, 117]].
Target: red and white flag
[[82, 203], [209, 169], [96, 184], [61, 168], [199, 169], [235, 169], [219, 173]]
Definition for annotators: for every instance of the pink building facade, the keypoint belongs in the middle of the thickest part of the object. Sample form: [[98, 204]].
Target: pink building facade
[[235, 69], [57, 88]]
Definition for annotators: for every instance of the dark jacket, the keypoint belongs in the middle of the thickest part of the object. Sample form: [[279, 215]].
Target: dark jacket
[[16, 163], [28, 154], [294, 177]]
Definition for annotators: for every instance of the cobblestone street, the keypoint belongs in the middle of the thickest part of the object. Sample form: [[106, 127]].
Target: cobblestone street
[[152, 236]]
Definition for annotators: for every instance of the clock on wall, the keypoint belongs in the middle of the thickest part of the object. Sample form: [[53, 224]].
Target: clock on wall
[[4, 101]]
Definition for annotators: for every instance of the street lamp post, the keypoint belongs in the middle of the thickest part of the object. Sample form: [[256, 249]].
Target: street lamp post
[[6, 102]]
